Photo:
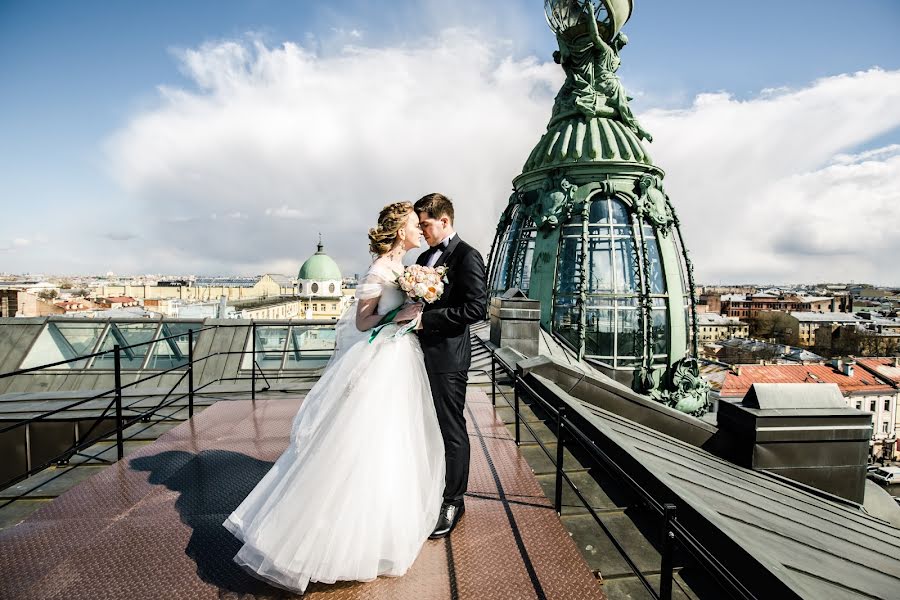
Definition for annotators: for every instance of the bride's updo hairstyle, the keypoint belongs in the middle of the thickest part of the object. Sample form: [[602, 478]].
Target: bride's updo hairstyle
[[391, 220]]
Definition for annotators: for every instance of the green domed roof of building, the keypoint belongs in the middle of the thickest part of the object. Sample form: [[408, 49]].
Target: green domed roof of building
[[320, 267]]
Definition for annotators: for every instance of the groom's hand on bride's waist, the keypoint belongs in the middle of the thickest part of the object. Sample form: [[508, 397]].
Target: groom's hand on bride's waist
[[409, 312]]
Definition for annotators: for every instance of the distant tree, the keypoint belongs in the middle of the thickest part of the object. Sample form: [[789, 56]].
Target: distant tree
[[774, 325], [849, 340], [48, 294], [65, 285]]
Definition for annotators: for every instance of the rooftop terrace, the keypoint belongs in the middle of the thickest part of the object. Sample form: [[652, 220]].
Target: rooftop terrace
[[637, 502]]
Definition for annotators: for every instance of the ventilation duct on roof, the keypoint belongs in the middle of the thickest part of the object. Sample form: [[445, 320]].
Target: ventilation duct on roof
[[802, 431]]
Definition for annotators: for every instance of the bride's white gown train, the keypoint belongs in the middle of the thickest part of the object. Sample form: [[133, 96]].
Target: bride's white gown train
[[358, 490]]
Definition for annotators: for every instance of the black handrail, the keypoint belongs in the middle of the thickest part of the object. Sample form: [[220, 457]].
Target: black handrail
[[673, 532], [123, 422], [85, 357]]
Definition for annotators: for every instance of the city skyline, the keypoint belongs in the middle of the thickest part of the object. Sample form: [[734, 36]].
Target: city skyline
[[213, 139]]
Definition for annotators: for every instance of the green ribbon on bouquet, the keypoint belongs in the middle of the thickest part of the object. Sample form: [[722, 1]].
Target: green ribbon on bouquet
[[384, 322]]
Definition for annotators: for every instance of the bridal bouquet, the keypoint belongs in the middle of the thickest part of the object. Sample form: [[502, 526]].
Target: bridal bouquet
[[423, 283]]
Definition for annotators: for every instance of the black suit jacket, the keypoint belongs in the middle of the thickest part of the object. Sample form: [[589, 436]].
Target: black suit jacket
[[445, 323]]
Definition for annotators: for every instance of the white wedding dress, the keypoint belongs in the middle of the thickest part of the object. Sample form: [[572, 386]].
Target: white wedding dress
[[359, 488]]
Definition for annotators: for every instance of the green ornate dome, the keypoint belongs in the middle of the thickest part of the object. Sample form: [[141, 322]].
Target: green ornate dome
[[320, 267]]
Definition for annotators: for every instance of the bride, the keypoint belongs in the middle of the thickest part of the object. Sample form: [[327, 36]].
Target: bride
[[358, 490]]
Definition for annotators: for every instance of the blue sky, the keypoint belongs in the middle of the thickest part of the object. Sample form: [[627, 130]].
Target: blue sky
[[77, 74]]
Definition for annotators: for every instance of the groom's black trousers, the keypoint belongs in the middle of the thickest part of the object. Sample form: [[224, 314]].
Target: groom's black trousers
[[449, 392]]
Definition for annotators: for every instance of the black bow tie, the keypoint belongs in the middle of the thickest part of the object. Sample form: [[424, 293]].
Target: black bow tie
[[439, 248]]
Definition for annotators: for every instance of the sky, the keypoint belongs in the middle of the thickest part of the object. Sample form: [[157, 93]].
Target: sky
[[220, 137]]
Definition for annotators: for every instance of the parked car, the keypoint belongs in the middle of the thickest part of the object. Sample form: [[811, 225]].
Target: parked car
[[886, 475]]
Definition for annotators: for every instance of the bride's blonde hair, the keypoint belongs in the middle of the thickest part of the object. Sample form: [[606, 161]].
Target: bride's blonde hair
[[391, 220]]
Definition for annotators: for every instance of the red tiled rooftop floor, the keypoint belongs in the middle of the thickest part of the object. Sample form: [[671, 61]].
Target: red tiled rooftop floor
[[150, 525]]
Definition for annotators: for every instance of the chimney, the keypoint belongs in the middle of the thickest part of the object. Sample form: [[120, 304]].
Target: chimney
[[848, 368], [515, 322], [833, 304], [897, 362], [777, 424]]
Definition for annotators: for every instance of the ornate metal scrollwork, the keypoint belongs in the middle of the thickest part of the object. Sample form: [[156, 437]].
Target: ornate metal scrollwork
[[687, 392], [653, 204], [554, 204]]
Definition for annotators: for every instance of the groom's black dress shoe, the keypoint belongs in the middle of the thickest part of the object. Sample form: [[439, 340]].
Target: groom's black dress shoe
[[447, 520]]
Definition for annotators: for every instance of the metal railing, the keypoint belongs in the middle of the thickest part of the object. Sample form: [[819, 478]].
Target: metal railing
[[672, 532], [118, 405]]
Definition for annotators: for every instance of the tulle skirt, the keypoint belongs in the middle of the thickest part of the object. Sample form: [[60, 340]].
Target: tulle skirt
[[359, 488]]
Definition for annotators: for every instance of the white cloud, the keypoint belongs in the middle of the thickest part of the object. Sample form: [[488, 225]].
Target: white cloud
[[279, 134], [766, 191], [298, 143], [284, 212], [17, 244], [876, 154]]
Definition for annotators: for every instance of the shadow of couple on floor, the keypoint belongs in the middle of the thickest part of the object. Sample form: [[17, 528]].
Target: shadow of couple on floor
[[211, 485]]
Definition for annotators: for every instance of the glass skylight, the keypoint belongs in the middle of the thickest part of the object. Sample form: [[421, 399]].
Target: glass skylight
[[126, 334], [63, 341]]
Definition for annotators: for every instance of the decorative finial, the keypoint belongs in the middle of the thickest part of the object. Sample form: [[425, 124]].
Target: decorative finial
[[321, 247]]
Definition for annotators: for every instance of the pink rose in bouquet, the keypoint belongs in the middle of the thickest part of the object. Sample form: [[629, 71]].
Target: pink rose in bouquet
[[423, 283]]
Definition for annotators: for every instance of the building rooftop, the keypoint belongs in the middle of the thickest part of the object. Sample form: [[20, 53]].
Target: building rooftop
[[121, 299], [320, 267], [150, 525], [825, 317], [162, 506], [708, 318], [859, 381], [818, 546], [282, 280], [886, 368]]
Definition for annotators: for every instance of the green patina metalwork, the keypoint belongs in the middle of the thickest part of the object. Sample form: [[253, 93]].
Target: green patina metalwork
[[614, 287]]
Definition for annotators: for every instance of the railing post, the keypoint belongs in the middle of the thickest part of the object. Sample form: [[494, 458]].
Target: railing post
[[253, 361], [516, 406], [190, 373], [668, 541], [493, 379], [120, 440], [560, 432]]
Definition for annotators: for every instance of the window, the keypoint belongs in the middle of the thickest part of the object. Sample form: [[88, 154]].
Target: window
[[511, 265], [887, 404], [334, 307], [170, 353], [309, 347], [872, 406], [884, 427], [331, 288], [859, 405], [63, 341], [126, 334], [315, 308], [614, 267], [270, 344], [315, 288]]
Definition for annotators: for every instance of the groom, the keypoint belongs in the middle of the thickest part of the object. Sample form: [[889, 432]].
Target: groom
[[444, 336]]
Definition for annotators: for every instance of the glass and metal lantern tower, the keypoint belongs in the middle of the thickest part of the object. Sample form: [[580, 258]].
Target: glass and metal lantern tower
[[589, 230]]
